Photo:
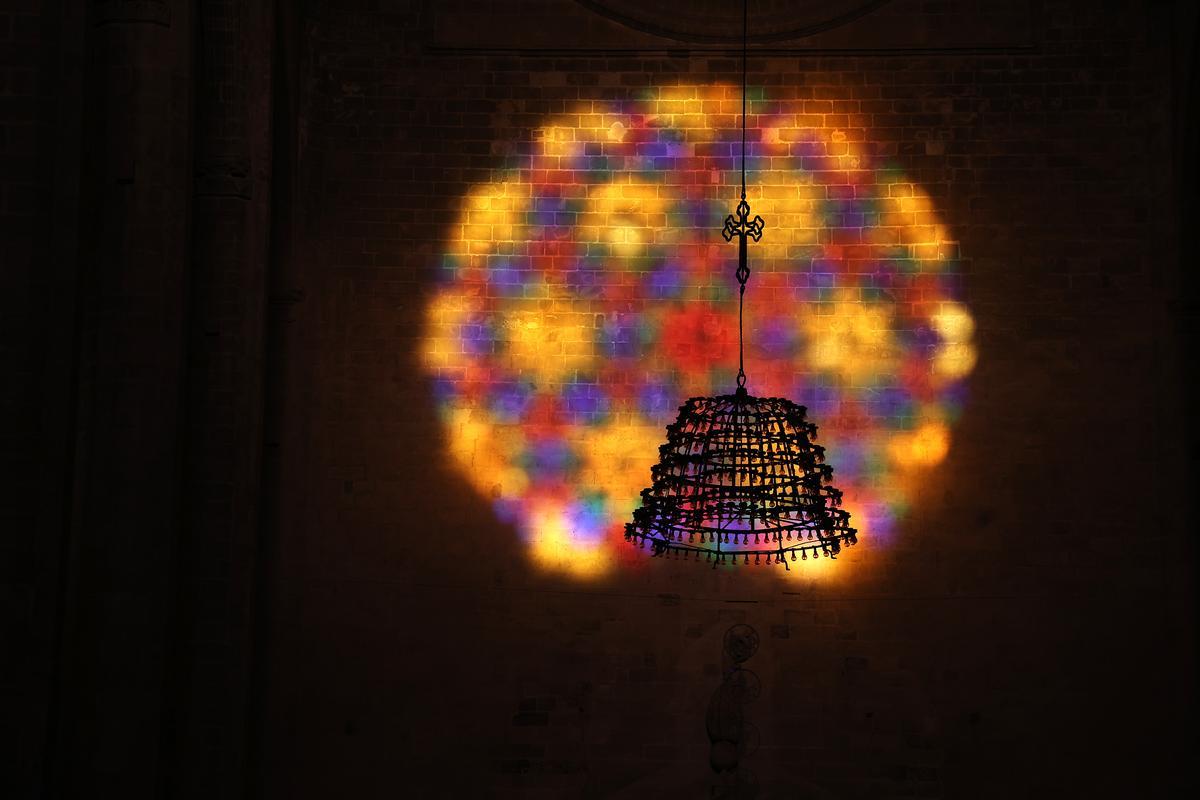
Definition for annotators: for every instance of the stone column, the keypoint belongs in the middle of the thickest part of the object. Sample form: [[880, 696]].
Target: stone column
[[231, 222], [118, 584]]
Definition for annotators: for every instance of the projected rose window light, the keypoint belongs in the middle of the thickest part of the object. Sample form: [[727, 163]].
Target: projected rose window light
[[586, 290]]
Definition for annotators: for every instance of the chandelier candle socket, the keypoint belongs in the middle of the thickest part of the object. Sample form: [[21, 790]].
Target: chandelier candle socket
[[740, 476]]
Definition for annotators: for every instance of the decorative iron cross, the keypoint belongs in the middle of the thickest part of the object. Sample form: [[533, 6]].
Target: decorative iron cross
[[741, 227]]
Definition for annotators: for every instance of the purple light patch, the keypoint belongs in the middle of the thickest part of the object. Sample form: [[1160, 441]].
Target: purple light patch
[[666, 282], [508, 280], [809, 147], [821, 401], [850, 457], [777, 337], [549, 461], [923, 337], [881, 521], [822, 280], [508, 510], [892, 403], [586, 521], [478, 337], [586, 280], [620, 338], [954, 399], [509, 400], [657, 399], [586, 402], [444, 390], [546, 210]]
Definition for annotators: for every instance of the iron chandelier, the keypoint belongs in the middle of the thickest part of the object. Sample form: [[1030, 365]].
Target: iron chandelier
[[739, 475]]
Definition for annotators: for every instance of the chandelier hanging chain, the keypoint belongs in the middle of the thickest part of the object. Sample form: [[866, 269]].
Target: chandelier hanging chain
[[741, 376], [742, 226], [745, 3]]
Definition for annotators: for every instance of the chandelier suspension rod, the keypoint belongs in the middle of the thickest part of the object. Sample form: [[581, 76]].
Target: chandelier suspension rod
[[745, 3], [743, 269]]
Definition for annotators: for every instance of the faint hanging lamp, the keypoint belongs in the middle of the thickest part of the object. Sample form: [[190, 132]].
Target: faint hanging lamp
[[739, 476]]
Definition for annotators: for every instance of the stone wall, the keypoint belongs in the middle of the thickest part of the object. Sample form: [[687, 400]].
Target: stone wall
[[241, 557]]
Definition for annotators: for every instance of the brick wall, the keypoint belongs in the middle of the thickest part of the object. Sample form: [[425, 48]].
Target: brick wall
[[1018, 631], [267, 531]]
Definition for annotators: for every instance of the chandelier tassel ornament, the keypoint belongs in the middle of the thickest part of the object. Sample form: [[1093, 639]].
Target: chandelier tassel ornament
[[741, 476]]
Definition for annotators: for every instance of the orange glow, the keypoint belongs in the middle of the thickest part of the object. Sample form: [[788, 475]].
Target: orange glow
[[585, 292], [924, 447]]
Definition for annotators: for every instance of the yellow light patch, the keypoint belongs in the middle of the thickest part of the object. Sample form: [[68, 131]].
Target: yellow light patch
[[625, 215], [485, 453], [548, 345], [617, 460], [954, 361], [554, 547], [924, 447], [956, 356], [853, 340], [824, 569], [558, 141], [446, 315], [789, 203], [953, 322], [489, 216]]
